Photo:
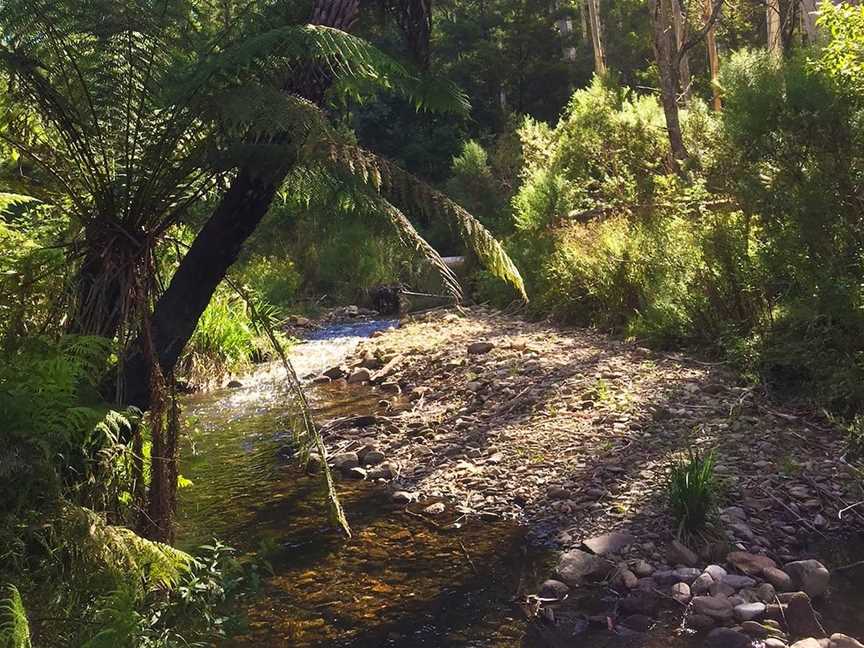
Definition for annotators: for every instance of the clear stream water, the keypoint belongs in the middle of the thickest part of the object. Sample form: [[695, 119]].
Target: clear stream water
[[400, 581]]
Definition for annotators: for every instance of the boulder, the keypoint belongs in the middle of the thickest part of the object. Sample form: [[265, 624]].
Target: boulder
[[727, 638], [576, 565], [716, 607], [810, 576], [372, 458], [800, 617], [702, 584], [700, 622], [839, 640], [356, 473], [686, 574], [738, 582], [749, 611], [715, 571], [809, 642], [553, 589], [334, 372], [609, 543], [748, 563]]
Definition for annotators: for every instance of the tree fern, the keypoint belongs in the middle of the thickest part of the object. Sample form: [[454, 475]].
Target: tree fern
[[14, 627]]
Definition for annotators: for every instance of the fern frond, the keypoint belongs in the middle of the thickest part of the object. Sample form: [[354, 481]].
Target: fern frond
[[403, 190], [10, 200], [121, 550], [14, 626]]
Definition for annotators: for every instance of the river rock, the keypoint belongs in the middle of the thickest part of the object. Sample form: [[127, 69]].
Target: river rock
[[716, 607], [681, 593], [234, 384], [702, 584], [839, 640], [750, 564], [345, 460], [385, 470], [765, 593], [755, 629], [773, 642], [738, 582], [700, 622], [608, 543], [749, 611], [553, 589], [478, 348], [643, 568], [576, 565], [727, 638], [800, 617], [640, 602], [356, 473], [809, 642], [628, 579], [686, 574], [638, 622], [715, 571], [810, 576], [334, 372], [359, 375], [781, 581], [681, 554], [434, 509], [719, 588], [372, 458]]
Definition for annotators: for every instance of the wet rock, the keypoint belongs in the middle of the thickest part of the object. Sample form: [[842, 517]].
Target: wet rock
[[609, 543], [700, 622], [553, 589], [664, 577], [755, 629], [810, 576], [681, 554], [702, 584], [234, 384], [403, 497], [738, 582], [356, 473], [385, 470], [773, 642], [359, 375], [749, 611], [809, 642], [576, 565], [628, 579], [681, 593], [716, 607], [800, 617], [345, 460], [727, 638], [719, 588], [781, 581], [839, 640], [750, 564], [640, 602], [638, 622], [478, 348]]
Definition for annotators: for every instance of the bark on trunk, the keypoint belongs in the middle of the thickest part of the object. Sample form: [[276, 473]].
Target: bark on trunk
[[808, 18], [215, 249], [596, 37], [772, 27], [680, 25], [665, 50], [713, 56], [99, 290]]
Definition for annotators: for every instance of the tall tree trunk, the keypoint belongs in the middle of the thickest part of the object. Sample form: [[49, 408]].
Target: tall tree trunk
[[808, 19], [665, 51], [565, 28], [713, 56], [596, 26], [218, 244], [772, 28], [680, 24]]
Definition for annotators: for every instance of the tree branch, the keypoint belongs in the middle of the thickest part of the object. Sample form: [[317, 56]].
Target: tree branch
[[699, 35]]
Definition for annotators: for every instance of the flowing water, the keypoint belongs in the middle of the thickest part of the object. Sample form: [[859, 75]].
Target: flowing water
[[400, 581]]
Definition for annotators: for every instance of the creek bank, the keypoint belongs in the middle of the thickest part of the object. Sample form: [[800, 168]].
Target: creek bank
[[571, 433]]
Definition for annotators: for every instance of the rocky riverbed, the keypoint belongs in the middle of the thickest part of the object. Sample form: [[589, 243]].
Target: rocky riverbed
[[572, 432]]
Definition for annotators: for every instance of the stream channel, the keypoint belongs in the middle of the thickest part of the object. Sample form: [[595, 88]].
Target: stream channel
[[400, 581]]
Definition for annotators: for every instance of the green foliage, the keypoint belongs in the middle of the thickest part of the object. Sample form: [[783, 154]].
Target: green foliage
[[14, 626], [692, 491]]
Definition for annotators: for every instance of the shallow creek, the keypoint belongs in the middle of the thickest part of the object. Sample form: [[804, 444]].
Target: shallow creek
[[400, 581]]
